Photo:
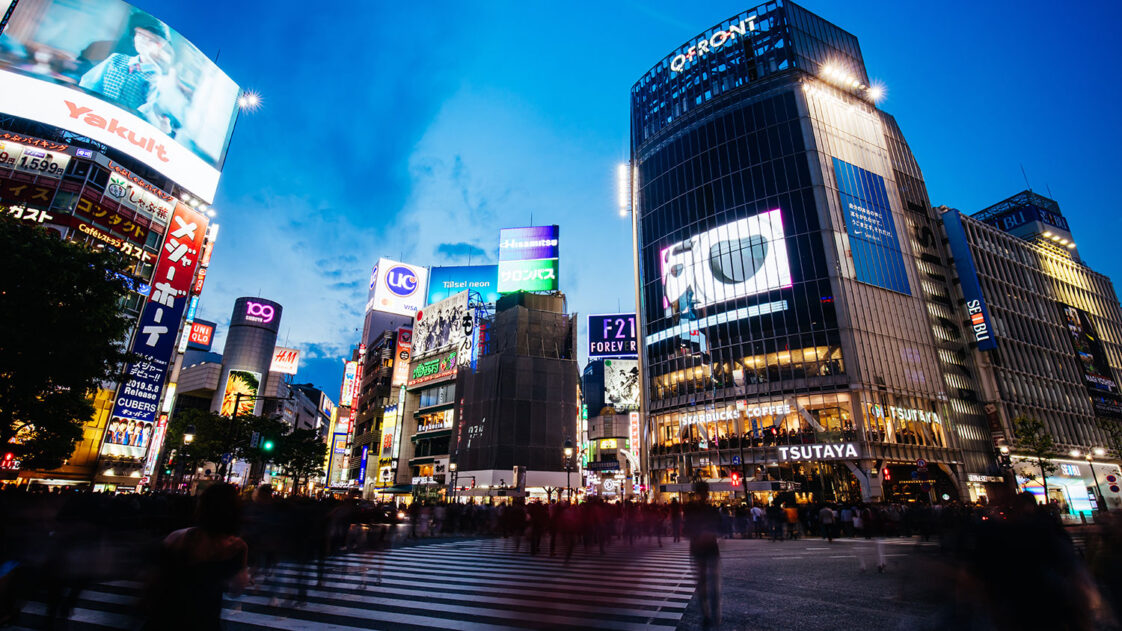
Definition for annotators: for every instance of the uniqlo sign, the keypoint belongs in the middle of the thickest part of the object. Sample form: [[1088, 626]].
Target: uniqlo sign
[[138, 397], [201, 334]]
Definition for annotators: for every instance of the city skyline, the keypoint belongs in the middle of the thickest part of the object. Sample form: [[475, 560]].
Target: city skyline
[[422, 147]]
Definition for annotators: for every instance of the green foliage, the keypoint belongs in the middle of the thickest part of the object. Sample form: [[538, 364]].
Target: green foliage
[[61, 330], [301, 453], [1113, 430], [1035, 443]]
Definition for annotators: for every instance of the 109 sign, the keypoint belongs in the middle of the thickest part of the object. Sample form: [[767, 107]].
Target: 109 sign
[[612, 335]]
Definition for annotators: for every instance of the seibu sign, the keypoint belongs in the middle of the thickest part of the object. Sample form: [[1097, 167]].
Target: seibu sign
[[835, 451], [704, 46]]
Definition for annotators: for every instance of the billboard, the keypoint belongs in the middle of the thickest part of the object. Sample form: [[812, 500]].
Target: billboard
[[743, 258], [346, 393], [126, 437], [621, 384], [153, 344], [439, 367], [389, 426], [528, 259], [201, 335], [245, 383], [448, 323], [612, 335], [403, 354], [258, 312], [285, 360], [877, 258], [109, 71], [981, 325], [397, 288], [445, 282], [1098, 378]]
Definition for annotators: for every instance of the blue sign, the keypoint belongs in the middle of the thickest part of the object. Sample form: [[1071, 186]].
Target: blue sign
[[362, 464], [445, 282], [1018, 217], [981, 325], [192, 308], [877, 258], [612, 335], [528, 244], [401, 281]]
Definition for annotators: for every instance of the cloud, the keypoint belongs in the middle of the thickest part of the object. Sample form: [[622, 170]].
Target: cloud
[[461, 251]]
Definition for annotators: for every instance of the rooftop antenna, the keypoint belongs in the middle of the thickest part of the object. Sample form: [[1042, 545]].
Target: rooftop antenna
[[1026, 177], [1049, 191]]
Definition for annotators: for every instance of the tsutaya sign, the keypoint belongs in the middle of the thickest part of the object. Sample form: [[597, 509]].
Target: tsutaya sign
[[715, 41], [905, 414], [834, 451]]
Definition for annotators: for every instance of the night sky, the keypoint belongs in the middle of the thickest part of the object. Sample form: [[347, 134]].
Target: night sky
[[417, 130]]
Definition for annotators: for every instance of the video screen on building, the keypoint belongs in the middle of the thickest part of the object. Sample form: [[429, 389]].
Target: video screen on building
[[241, 389], [448, 281], [621, 384], [443, 325], [528, 259], [1098, 378], [109, 71], [877, 258]]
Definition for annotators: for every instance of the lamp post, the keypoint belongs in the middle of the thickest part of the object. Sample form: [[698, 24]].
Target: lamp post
[[452, 468], [568, 451], [1098, 451]]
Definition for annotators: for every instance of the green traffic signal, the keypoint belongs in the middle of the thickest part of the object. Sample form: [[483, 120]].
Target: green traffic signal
[[267, 445]]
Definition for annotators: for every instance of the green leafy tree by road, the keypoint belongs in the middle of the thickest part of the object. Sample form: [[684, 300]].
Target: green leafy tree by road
[[1113, 430], [61, 333], [301, 454], [1037, 446]]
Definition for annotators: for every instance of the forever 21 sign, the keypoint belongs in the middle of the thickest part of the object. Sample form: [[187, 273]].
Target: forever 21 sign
[[612, 335]]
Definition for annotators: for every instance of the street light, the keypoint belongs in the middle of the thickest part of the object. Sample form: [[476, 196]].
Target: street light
[[569, 468], [452, 477], [189, 435]]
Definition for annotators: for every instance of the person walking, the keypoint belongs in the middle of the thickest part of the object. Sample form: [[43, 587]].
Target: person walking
[[703, 525], [826, 520]]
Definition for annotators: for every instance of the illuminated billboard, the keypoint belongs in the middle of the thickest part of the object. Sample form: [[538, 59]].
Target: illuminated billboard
[[257, 312], [397, 288], [877, 258], [153, 344], [445, 282], [528, 259], [1098, 378], [201, 335], [241, 388], [612, 335], [285, 360], [109, 71], [404, 353], [439, 326], [621, 384], [439, 367], [346, 394]]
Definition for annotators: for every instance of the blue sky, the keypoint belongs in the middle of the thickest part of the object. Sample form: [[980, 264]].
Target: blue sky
[[417, 130]]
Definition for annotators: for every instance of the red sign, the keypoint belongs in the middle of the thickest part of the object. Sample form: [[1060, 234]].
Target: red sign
[[198, 288], [201, 334]]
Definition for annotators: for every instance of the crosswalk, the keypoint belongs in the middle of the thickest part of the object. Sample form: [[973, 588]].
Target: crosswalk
[[461, 584]]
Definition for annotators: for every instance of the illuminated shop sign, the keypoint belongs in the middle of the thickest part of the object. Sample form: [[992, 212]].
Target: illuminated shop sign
[[197, 288], [827, 451], [718, 39], [634, 433], [285, 360], [258, 312], [744, 258], [33, 160], [404, 353], [397, 288], [445, 282], [202, 333], [981, 325], [904, 414], [612, 335], [528, 259], [712, 416], [433, 369], [346, 393], [778, 409]]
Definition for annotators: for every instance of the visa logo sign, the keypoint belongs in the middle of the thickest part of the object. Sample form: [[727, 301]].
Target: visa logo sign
[[401, 281]]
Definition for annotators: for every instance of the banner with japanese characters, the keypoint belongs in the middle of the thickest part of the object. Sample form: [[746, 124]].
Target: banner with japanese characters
[[138, 398]]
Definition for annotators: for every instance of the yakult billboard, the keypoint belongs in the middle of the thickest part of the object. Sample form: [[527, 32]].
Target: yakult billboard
[[111, 72]]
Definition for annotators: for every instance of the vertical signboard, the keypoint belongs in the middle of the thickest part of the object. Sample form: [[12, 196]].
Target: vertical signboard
[[138, 397], [346, 393], [634, 436], [404, 353], [1098, 378], [528, 259], [389, 426], [877, 258], [362, 464], [981, 325], [612, 335]]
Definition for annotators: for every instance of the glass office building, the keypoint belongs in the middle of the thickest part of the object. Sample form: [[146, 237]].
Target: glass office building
[[795, 302]]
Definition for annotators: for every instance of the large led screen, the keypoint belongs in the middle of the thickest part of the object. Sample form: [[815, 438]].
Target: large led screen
[[445, 282], [1098, 378], [621, 384], [877, 258], [528, 259], [109, 71], [241, 391], [446, 324]]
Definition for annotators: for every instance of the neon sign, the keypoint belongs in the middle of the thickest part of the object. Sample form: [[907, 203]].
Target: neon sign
[[716, 40]]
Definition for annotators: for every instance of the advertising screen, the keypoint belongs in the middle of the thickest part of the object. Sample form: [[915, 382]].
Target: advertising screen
[[201, 336], [153, 345], [445, 282], [528, 259], [621, 384], [1098, 378], [109, 71], [448, 323], [612, 335], [285, 360], [389, 426], [346, 393], [245, 383], [877, 258], [398, 288], [402, 356]]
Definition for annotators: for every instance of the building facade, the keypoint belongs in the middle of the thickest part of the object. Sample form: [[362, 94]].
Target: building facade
[[795, 305]]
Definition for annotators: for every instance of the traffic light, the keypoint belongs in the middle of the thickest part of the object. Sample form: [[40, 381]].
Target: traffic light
[[267, 445], [735, 479], [886, 476]]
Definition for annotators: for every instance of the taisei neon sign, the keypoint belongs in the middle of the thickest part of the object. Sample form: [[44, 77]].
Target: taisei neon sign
[[716, 40]]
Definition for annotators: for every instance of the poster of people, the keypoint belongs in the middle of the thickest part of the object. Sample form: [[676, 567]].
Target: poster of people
[[444, 324], [244, 383], [127, 438], [130, 59], [621, 384]]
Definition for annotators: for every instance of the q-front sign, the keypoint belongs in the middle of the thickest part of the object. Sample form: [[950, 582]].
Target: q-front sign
[[704, 46], [827, 451]]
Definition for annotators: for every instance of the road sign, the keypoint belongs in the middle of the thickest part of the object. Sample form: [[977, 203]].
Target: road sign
[[921, 463], [1113, 488], [736, 459]]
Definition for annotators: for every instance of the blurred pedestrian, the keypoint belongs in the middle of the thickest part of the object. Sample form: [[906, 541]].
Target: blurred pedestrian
[[702, 525]]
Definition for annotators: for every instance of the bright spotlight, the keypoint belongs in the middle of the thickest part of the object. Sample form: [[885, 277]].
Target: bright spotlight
[[623, 190], [877, 92], [249, 101]]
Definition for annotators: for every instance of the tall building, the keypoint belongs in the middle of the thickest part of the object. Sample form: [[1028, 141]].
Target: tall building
[[95, 153], [1047, 332], [796, 316]]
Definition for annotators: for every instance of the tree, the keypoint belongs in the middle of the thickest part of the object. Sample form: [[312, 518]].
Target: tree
[[61, 334], [301, 454], [1113, 430], [1035, 443]]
